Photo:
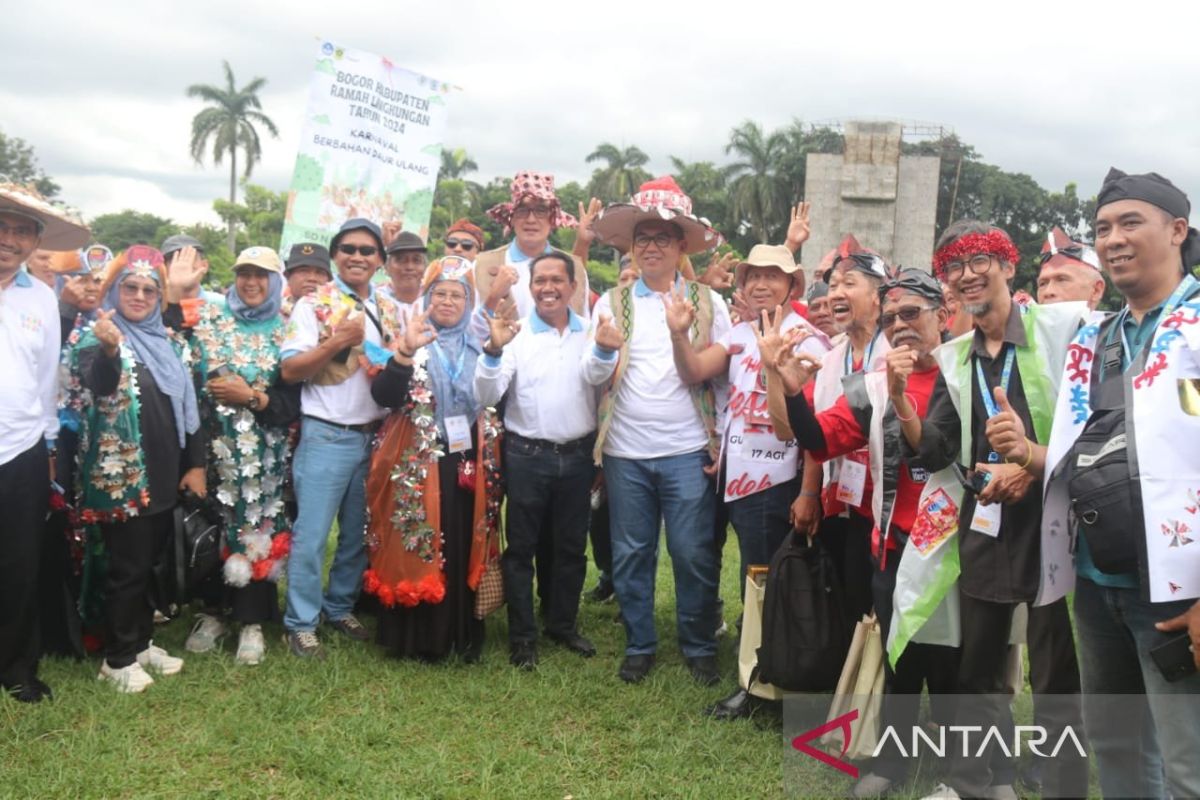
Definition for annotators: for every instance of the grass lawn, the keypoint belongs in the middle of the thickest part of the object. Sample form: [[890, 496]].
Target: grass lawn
[[364, 725]]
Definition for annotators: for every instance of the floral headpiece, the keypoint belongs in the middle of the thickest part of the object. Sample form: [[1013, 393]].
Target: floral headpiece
[[993, 243]]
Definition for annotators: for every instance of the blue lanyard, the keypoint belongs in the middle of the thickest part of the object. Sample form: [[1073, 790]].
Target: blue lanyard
[[1168, 308], [866, 362], [984, 392], [456, 370]]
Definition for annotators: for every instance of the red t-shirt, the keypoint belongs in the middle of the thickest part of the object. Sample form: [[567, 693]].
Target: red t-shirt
[[843, 435]]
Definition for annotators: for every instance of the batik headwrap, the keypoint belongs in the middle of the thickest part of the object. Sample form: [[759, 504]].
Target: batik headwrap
[[149, 340]]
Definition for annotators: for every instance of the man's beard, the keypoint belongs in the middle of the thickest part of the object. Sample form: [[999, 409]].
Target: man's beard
[[978, 309]]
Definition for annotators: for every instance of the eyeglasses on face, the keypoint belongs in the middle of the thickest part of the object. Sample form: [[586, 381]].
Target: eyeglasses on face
[[18, 230], [466, 245], [908, 314], [660, 240], [362, 249], [443, 296], [978, 264], [133, 290], [538, 212]]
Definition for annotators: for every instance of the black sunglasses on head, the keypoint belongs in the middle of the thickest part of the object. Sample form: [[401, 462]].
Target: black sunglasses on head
[[361, 249]]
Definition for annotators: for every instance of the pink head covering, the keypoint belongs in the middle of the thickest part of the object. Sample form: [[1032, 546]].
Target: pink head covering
[[536, 185]]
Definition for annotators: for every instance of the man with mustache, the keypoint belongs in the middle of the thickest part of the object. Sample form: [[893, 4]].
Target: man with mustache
[[877, 409], [1122, 474], [1020, 350], [550, 423], [306, 270]]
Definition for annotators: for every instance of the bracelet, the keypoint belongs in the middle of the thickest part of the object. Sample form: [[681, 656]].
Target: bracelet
[[1028, 454], [912, 403], [806, 493]]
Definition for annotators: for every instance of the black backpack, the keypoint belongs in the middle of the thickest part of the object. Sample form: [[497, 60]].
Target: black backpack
[[804, 634]]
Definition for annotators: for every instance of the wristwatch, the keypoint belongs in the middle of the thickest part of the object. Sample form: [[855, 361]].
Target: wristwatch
[[253, 405]]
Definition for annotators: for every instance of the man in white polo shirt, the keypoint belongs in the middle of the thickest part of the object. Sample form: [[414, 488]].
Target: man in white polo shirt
[[29, 348], [657, 435], [336, 338], [550, 421]]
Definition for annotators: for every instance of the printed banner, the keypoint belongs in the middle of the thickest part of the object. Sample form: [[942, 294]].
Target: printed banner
[[370, 146]]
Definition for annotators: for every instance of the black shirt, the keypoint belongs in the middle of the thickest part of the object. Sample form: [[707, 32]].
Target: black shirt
[[1005, 568]]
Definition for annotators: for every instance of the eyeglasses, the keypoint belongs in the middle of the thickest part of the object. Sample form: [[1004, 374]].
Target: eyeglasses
[[21, 230], [462, 244], [661, 240], [978, 265], [448, 297], [909, 314], [540, 212], [133, 290], [362, 249]]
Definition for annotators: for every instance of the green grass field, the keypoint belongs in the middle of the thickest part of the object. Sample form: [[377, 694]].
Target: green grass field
[[364, 725]]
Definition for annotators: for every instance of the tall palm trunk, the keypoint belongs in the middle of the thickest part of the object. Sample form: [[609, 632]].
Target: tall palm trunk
[[232, 195]]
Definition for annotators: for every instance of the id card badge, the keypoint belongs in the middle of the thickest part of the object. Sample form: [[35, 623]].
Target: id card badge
[[852, 479], [458, 433], [987, 519]]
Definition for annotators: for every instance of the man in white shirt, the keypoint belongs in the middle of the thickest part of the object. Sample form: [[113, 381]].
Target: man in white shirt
[[29, 348], [550, 422], [334, 338], [657, 435]]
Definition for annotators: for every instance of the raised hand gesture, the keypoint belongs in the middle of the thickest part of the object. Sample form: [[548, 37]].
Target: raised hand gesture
[[900, 365], [607, 335], [417, 332], [504, 326], [505, 278], [390, 231], [719, 274], [349, 333], [680, 311], [798, 229], [584, 235], [107, 332], [770, 341], [1006, 432], [184, 274]]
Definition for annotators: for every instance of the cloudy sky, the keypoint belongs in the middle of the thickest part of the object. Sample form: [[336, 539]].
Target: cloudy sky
[[1059, 90]]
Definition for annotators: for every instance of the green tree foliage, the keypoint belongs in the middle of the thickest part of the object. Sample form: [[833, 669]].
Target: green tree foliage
[[258, 220], [227, 124], [19, 164], [122, 229], [757, 188], [621, 174]]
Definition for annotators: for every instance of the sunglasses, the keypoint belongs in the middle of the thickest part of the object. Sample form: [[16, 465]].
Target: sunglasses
[[538, 212], [909, 314], [362, 249], [133, 290], [462, 244]]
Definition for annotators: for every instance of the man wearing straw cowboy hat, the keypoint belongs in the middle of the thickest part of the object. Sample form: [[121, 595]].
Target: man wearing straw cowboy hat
[[29, 348], [643, 393]]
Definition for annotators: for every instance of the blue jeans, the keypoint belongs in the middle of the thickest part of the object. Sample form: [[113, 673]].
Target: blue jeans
[[675, 487], [1159, 728], [330, 473], [762, 522]]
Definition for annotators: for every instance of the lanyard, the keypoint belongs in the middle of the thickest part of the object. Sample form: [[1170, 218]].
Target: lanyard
[[1168, 308], [988, 402], [866, 362], [456, 370]]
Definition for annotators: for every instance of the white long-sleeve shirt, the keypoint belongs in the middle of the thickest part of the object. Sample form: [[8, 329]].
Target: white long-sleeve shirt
[[542, 372], [654, 415], [29, 357]]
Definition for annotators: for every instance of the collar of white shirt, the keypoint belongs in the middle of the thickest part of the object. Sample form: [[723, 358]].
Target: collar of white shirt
[[538, 325]]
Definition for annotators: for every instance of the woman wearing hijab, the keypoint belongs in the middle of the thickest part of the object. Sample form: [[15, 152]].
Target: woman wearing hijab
[[246, 408], [433, 489], [139, 445]]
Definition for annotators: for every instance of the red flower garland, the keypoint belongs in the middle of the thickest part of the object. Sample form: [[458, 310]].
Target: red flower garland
[[993, 243], [430, 589]]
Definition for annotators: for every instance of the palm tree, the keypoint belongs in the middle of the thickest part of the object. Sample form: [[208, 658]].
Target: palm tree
[[756, 189], [456, 163], [229, 123], [622, 173]]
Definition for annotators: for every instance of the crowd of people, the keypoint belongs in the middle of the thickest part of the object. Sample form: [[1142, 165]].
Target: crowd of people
[[966, 456]]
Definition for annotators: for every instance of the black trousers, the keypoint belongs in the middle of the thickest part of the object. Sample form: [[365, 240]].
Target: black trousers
[[982, 677], [24, 498], [848, 541], [132, 548], [544, 485]]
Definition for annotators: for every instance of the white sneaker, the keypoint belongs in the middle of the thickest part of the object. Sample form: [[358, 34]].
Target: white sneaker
[[871, 785], [128, 680], [251, 647], [205, 634], [159, 660], [942, 792]]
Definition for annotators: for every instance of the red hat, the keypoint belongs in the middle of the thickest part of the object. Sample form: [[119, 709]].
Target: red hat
[[466, 226], [1061, 249]]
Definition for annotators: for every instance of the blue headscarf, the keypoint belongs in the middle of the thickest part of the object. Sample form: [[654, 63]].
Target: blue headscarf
[[150, 344], [266, 310], [453, 353]]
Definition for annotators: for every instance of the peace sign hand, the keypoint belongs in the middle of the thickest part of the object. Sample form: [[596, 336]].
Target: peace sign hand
[[107, 332], [584, 232], [680, 311], [719, 274]]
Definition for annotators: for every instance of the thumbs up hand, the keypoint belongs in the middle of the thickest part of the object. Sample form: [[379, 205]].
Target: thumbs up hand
[[1006, 432]]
